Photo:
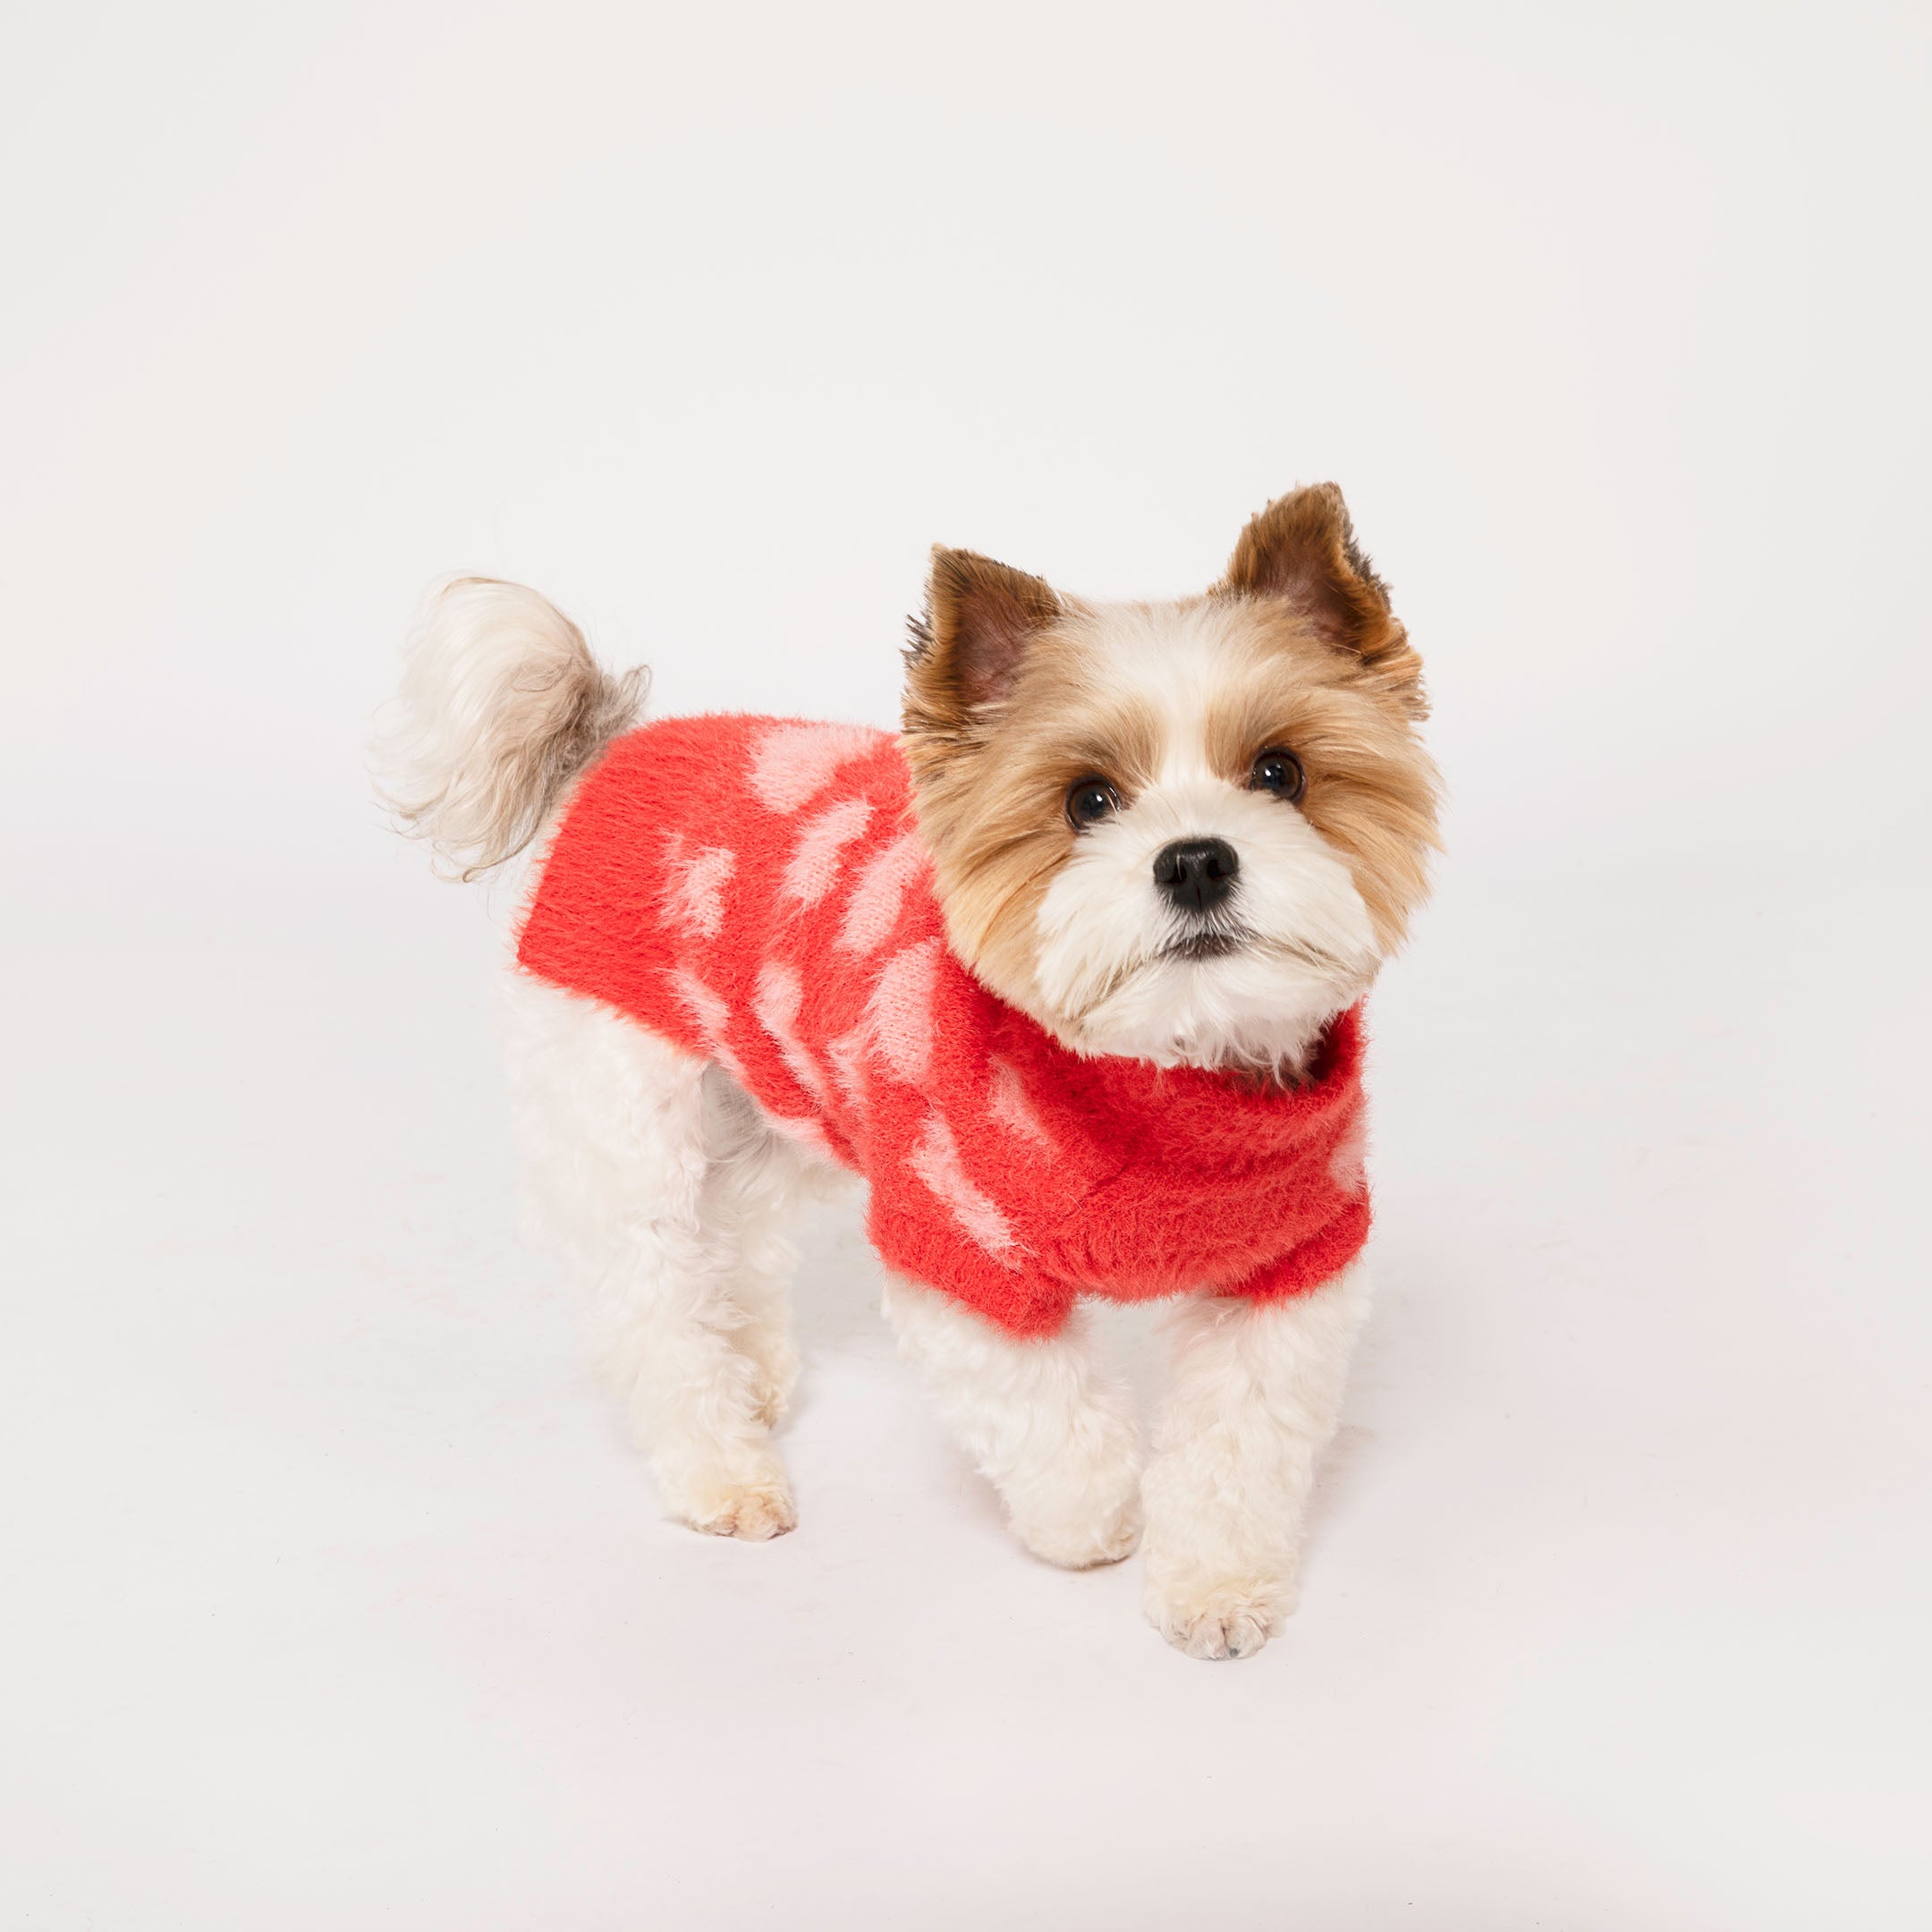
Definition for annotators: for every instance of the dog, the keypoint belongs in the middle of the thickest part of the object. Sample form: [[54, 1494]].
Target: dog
[[1070, 970]]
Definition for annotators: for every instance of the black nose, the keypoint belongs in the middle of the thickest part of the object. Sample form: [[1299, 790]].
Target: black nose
[[1196, 874]]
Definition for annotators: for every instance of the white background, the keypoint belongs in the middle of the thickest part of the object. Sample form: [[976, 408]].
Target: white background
[[332, 1594]]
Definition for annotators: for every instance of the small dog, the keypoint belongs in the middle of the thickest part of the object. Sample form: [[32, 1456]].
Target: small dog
[[1068, 971]]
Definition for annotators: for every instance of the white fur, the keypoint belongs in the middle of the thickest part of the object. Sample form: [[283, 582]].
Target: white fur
[[1053, 1434], [666, 1187], [500, 704], [1308, 944], [1257, 1389], [664, 1191]]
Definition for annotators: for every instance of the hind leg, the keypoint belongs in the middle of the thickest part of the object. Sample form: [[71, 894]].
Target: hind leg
[[624, 1178], [757, 1182]]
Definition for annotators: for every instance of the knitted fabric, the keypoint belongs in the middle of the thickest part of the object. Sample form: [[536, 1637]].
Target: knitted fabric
[[755, 891]]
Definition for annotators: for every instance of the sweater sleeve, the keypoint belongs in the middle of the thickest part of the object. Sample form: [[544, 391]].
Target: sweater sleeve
[[1310, 1263], [922, 1243]]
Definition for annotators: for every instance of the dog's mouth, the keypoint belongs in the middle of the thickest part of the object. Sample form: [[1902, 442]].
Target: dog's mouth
[[1204, 945]]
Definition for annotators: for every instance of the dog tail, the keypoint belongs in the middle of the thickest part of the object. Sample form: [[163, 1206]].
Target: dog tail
[[502, 704]]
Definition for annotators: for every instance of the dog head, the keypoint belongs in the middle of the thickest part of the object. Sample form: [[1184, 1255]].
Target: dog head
[[1187, 832]]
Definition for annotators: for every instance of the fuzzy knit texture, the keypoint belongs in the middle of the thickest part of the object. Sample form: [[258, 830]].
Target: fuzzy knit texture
[[755, 890]]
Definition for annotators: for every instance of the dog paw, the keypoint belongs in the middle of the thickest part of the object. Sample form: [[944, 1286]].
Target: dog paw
[[1218, 1623], [756, 1513], [1085, 1542]]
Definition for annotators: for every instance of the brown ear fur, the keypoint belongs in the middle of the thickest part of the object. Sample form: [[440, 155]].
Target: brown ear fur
[[966, 651], [1302, 550]]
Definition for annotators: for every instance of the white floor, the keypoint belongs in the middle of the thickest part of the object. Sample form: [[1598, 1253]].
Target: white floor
[[335, 1598]]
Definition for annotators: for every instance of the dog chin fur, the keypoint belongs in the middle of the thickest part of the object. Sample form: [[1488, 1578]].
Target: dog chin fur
[[667, 1191], [1110, 973]]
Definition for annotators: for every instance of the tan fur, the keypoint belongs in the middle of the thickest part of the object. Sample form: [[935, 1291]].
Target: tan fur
[[991, 792], [1301, 551], [1309, 657], [979, 620], [1371, 788]]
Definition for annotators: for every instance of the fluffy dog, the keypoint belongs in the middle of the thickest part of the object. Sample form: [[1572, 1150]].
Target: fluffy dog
[[1068, 971]]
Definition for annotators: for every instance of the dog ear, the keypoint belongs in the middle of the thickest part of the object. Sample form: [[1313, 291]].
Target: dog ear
[[1301, 549], [966, 651]]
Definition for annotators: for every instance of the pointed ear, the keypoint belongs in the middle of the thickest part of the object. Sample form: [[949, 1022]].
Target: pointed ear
[[981, 618], [1301, 549]]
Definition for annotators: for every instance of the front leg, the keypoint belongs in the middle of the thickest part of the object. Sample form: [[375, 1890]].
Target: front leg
[[1055, 1434], [1256, 1390]]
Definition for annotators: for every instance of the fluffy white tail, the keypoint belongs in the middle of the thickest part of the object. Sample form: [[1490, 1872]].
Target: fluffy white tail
[[502, 704]]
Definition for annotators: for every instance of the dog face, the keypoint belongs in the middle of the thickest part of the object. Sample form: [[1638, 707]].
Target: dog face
[[1187, 832]]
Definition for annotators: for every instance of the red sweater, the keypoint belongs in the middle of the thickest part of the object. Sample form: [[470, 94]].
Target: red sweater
[[754, 890]]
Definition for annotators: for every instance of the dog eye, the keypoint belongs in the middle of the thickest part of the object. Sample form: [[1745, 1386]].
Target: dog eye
[[1279, 771], [1089, 801]]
